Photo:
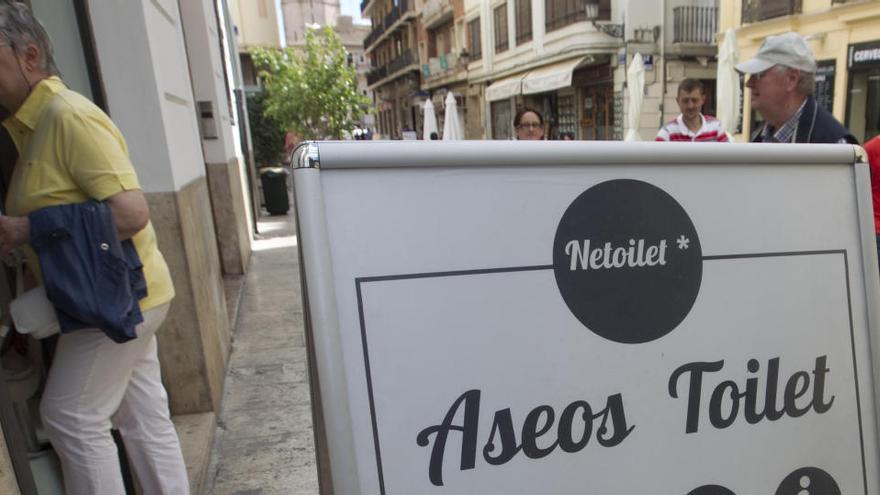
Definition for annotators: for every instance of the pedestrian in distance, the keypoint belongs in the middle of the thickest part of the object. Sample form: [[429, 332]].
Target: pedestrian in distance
[[782, 78], [529, 125], [872, 148], [70, 153], [691, 125], [434, 136]]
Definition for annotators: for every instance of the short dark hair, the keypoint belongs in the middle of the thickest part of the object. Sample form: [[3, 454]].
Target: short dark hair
[[689, 85], [434, 136], [524, 110]]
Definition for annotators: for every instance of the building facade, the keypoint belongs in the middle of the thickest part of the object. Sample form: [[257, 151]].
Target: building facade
[[165, 73], [256, 23], [845, 38], [394, 79], [565, 58], [569, 60]]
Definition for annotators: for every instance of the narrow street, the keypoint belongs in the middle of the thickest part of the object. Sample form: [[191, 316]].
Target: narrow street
[[264, 443]]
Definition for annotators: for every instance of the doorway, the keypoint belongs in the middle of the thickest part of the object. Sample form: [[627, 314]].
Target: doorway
[[597, 103]]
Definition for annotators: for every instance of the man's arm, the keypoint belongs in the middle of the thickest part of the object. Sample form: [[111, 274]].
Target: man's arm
[[130, 215], [130, 212]]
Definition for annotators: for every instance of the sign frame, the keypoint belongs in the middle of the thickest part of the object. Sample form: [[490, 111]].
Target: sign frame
[[331, 408]]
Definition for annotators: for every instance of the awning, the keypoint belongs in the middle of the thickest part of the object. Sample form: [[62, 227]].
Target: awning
[[550, 77], [505, 88]]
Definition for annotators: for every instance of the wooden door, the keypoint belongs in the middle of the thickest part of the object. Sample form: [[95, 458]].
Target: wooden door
[[598, 105]]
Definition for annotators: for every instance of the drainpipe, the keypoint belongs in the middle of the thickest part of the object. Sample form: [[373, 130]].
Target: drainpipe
[[662, 62]]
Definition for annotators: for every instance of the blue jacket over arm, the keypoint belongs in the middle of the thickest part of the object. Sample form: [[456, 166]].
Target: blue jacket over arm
[[92, 279]]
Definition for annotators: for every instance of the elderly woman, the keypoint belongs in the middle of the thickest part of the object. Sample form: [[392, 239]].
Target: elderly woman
[[70, 152], [529, 125]]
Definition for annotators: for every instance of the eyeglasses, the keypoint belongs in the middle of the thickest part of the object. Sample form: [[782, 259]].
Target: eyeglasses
[[758, 75], [530, 125]]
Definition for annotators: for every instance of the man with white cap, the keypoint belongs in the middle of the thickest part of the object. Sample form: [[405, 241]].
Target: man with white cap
[[782, 77]]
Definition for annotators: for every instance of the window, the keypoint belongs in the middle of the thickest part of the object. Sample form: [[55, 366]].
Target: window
[[523, 21], [474, 46], [501, 43], [561, 13]]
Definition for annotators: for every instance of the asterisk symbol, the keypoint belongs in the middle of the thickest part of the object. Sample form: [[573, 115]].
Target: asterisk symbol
[[683, 242]]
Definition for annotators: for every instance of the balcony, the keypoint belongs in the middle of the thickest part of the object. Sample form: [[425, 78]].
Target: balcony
[[400, 63], [405, 59], [436, 11], [387, 23], [377, 74], [696, 25], [762, 10], [442, 65], [374, 35]]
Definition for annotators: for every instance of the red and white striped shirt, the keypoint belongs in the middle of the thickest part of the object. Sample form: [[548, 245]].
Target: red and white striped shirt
[[710, 132]]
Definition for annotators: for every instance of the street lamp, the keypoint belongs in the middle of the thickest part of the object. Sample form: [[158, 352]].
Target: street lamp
[[614, 30]]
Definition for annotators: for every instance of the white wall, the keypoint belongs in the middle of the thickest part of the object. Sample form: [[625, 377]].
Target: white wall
[[129, 81], [207, 71], [165, 37], [144, 67]]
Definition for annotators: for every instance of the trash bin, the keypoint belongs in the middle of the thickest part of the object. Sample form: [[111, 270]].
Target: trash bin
[[274, 181]]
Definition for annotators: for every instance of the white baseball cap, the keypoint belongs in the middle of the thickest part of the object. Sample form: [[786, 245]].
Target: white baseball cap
[[789, 49]]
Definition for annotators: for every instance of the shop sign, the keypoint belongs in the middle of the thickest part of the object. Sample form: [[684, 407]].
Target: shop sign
[[864, 55], [824, 92]]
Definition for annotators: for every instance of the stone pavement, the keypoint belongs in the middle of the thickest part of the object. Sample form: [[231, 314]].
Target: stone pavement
[[264, 443]]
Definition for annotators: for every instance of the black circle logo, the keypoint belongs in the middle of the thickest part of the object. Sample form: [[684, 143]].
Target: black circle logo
[[711, 490], [627, 261], [808, 481]]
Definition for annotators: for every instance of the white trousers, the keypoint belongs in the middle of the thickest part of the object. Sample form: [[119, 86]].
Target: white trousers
[[95, 383]]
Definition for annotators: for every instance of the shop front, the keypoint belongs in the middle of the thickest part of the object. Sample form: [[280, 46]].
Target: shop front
[[595, 102], [863, 107]]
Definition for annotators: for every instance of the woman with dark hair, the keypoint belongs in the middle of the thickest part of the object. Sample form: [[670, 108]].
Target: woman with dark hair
[[529, 124]]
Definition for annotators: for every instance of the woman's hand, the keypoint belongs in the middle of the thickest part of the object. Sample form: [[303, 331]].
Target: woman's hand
[[14, 232]]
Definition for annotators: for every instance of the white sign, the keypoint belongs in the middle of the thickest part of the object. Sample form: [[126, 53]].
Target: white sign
[[611, 327]]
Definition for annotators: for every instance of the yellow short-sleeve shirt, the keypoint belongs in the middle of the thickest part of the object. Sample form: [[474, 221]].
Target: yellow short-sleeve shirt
[[71, 152]]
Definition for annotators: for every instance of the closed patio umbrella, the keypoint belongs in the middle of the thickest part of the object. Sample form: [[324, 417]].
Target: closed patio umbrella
[[452, 128], [729, 90], [635, 86], [430, 120]]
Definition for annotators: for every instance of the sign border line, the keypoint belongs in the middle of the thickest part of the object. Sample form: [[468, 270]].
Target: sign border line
[[485, 271]]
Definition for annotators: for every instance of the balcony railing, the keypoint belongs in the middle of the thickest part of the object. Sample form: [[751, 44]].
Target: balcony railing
[[440, 65], [377, 74], [389, 19], [374, 35], [695, 25], [761, 10], [405, 59]]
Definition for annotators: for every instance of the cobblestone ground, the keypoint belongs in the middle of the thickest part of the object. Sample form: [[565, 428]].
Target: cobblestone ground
[[264, 443]]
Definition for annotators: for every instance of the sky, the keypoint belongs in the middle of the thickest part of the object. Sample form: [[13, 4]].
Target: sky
[[353, 8]]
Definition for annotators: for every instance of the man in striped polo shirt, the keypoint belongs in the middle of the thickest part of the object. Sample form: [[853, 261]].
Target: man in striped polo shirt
[[691, 125]]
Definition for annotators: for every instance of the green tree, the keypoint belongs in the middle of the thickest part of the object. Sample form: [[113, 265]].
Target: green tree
[[267, 133], [312, 92]]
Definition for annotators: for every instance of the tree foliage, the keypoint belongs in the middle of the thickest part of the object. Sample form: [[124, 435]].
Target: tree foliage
[[266, 133], [312, 92]]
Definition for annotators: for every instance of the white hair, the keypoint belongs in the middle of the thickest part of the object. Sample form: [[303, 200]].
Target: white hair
[[19, 27]]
